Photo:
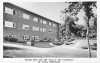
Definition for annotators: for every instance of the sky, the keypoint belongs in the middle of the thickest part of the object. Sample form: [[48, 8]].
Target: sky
[[51, 10]]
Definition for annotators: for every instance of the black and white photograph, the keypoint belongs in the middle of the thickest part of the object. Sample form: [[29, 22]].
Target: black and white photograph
[[50, 29]]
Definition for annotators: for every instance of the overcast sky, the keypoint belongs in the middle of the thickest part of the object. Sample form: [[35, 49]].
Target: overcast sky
[[51, 10]]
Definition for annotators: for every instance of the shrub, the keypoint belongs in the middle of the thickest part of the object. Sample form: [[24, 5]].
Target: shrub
[[6, 38], [94, 48], [85, 47], [58, 43], [13, 39], [10, 39], [21, 41]]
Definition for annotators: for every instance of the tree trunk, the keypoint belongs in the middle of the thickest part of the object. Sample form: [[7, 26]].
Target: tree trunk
[[87, 37]]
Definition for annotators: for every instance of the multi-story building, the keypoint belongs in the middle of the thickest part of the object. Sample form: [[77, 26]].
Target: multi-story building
[[24, 24]]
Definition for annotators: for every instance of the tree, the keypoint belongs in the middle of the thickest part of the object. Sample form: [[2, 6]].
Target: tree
[[72, 11], [75, 7], [89, 14]]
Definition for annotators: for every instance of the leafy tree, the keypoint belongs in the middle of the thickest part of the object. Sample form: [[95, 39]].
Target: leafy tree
[[89, 14], [75, 7]]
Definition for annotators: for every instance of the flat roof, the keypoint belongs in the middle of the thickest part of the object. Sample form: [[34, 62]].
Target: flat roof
[[7, 3]]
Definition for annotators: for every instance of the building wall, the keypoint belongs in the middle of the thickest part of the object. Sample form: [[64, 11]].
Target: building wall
[[17, 18]]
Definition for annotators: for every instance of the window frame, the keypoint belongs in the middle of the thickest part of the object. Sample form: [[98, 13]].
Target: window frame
[[26, 37], [9, 10], [26, 16], [44, 22], [27, 26], [41, 20], [34, 28], [54, 25], [37, 38], [35, 19], [50, 23], [10, 22], [43, 29]]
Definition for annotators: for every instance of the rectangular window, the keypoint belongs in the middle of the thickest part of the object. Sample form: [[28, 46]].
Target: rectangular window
[[50, 30], [50, 23], [33, 38], [44, 29], [8, 10], [37, 38], [25, 27], [10, 24], [26, 16], [41, 29], [41, 20], [35, 28], [44, 22], [35, 19], [54, 25], [26, 37]]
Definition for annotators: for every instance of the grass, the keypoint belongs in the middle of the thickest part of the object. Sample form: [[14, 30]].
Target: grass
[[42, 45]]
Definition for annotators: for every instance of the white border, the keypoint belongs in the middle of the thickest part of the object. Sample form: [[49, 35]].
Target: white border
[[22, 60]]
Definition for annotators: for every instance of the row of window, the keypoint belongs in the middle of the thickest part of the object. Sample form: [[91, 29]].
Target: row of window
[[26, 27], [26, 16], [25, 37]]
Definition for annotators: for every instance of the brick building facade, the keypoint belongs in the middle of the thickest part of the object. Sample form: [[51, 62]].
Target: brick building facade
[[25, 24]]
